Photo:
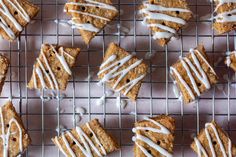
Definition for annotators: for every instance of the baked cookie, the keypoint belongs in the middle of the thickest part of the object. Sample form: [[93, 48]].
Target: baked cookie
[[165, 18], [230, 60], [4, 64], [193, 74], [122, 71], [90, 16], [14, 138], [52, 69], [224, 16], [154, 137], [14, 16], [213, 141], [88, 140]]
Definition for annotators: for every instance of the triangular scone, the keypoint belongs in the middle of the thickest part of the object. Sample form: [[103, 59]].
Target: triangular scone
[[88, 140], [4, 65], [52, 68], [193, 74], [230, 60], [17, 140], [224, 17], [165, 18], [154, 136], [15, 15], [213, 139], [90, 16], [122, 71]]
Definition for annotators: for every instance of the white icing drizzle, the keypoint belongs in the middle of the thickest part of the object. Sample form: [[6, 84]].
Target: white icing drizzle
[[62, 59], [162, 130], [196, 69], [92, 3], [5, 11], [51, 77], [34, 77], [83, 26], [86, 143], [227, 16], [150, 11], [222, 2], [40, 75], [114, 67], [213, 154], [89, 3], [5, 136], [228, 57]]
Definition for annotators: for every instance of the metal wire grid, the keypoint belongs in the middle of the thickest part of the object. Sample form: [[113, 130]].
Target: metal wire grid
[[19, 55]]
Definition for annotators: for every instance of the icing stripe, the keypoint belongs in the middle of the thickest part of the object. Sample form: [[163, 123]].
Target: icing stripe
[[153, 145], [92, 3], [226, 16], [83, 26], [152, 12]]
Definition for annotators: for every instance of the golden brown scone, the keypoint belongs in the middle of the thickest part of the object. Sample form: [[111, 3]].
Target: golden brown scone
[[122, 72], [158, 131], [230, 60], [224, 17], [165, 18], [199, 78], [15, 16], [90, 17], [18, 137], [214, 130], [52, 68], [92, 135], [4, 65]]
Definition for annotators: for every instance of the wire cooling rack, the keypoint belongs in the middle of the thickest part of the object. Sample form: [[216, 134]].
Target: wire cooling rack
[[45, 115]]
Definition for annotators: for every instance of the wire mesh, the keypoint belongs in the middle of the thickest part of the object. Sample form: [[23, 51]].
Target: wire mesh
[[46, 115]]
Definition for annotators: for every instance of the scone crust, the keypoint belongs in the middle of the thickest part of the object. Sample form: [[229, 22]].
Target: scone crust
[[212, 77], [166, 141], [61, 75], [170, 4], [204, 142], [9, 112], [141, 69], [107, 141], [224, 27], [98, 23], [29, 8]]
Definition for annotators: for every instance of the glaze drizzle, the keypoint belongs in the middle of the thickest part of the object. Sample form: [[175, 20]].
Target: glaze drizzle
[[40, 71], [156, 12], [113, 72], [162, 130], [89, 3], [86, 145], [193, 68], [201, 149], [5, 136], [6, 12]]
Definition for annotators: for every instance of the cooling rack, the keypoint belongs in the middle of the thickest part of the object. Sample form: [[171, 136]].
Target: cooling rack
[[47, 114]]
